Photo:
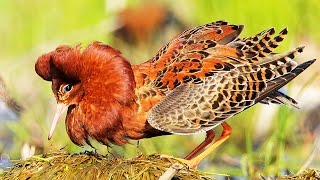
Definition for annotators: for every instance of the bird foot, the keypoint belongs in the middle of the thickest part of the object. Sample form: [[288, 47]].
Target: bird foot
[[190, 163], [90, 153]]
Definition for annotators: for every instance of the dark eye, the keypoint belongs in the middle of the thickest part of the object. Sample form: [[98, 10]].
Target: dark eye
[[67, 88]]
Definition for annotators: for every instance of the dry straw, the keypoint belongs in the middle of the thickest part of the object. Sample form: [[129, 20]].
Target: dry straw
[[62, 165]]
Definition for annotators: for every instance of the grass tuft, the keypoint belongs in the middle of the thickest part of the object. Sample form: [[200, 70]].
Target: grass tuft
[[61, 165]]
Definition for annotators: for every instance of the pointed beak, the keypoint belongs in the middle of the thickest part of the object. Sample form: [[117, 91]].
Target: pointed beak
[[60, 109]]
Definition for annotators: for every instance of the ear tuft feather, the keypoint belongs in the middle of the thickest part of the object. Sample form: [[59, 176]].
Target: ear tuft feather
[[62, 62], [42, 67], [66, 62]]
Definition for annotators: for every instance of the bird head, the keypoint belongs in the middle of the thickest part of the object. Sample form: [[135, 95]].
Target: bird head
[[68, 94], [93, 85]]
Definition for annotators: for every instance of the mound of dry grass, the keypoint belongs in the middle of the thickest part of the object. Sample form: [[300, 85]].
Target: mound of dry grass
[[310, 174], [62, 165]]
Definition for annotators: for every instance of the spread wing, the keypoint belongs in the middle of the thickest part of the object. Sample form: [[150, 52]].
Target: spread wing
[[207, 74]]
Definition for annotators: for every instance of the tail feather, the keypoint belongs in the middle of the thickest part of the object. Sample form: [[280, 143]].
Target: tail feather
[[275, 60], [275, 84], [280, 98], [262, 44], [276, 70]]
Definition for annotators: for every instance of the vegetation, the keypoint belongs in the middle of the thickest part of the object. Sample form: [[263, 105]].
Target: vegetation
[[62, 165]]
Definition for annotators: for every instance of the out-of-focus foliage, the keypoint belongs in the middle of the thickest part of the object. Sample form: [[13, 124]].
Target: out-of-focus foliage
[[264, 140]]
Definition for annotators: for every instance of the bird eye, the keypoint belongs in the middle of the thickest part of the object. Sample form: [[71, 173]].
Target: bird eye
[[67, 88]]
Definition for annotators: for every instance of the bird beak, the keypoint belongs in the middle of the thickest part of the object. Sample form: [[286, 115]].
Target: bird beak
[[60, 109]]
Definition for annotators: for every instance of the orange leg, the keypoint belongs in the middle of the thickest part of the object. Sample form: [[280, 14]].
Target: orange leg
[[209, 138], [194, 162]]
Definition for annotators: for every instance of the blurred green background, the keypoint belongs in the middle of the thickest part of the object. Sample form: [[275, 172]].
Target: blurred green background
[[268, 140]]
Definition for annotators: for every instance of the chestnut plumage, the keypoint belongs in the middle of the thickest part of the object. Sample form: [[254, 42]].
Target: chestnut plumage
[[199, 79], [102, 85]]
